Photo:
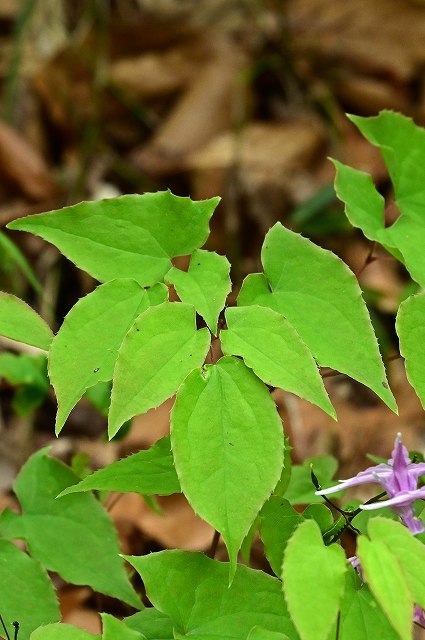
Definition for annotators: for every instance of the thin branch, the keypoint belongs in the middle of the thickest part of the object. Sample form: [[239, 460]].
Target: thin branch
[[4, 627]]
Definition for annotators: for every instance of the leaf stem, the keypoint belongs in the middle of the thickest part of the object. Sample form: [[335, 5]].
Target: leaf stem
[[4, 627]]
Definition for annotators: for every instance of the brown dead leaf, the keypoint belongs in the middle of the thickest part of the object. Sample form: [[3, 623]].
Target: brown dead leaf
[[206, 109], [84, 618], [156, 74], [23, 167], [383, 38]]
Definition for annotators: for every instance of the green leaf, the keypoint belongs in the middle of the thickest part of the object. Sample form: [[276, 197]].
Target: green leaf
[[61, 632], [402, 145], [409, 551], [160, 350], [27, 594], [10, 249], [54, 529], [259, 633], [272, 348], [320, 514], [146, 472], [194, 591], [301, 489], [134, 236], [227, 441], [154, 624], [19, 322], [387, 582], [321, 298], [361, 616], [24, 369], [114, 629], [410, 327], [364, 205], [206, 284], [278, 521], [95, 329], [313, 581]]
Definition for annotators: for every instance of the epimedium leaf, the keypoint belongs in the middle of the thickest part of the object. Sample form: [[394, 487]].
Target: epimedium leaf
[[272, 348], [114, 629], [206, 284], [20, 322], [361, 616], [319, 295], [61, 631], [313, 581], [162, 347], [15, 256], [410, 327], [154, 624], [85, 349], [27, 594], [278, 521], [146, 472], [402, 145], [225, 412], [388, 584], [76, 519], [409, 551], [180, 584], [133, 236], [24, 369]]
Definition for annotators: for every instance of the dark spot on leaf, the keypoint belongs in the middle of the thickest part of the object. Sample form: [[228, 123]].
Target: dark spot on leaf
[[385, 385], [96, 370]]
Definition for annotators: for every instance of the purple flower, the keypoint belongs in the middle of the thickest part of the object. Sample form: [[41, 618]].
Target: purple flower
[[399, 478]]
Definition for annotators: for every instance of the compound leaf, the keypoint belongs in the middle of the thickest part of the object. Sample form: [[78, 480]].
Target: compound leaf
[[20, 322], [206, 284], [388, 584], [146, 472], [321, 298], [181, 584], [272, 348], [133, 236], [313, 581], [27, 594], [160, 350], [85, 349], [88, 552], [410, 326], [227, 441], [402, 145]]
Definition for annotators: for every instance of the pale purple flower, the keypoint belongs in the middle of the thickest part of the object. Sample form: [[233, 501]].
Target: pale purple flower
[[399, 478]]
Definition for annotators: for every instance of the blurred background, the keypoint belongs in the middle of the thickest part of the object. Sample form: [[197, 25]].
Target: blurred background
[[245, 99]]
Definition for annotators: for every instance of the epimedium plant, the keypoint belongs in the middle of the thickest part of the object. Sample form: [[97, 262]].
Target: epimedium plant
[[227, 451]]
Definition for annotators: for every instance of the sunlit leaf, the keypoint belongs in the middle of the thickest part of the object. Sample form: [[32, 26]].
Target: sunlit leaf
[[85, 349], [206, 284], [410, 326], [19, 322], [146, 472], [313, 581], [134, 236], [321, 298], [269, 344], [227, 441], [160, 350]]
